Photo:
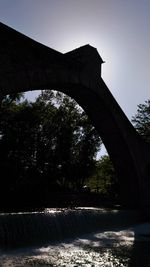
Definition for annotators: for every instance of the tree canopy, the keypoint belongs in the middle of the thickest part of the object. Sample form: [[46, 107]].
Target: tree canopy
[[104, 180], [46, 144], [141, 120]]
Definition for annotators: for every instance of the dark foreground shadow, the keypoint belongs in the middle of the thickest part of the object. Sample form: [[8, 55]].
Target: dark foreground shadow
[[140, 256]]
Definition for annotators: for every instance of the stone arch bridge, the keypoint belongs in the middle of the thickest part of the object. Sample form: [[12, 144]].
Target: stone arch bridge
[[28, 65]]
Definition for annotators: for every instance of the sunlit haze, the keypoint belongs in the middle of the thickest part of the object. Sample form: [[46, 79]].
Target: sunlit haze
[[119, 29]]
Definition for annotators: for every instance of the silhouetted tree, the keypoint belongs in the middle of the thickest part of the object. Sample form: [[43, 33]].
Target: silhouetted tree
[[141, 120], [17, 145], [75, 143], [104, 180], [45, 143]]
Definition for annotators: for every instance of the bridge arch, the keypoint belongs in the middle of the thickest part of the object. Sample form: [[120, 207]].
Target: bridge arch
[[28, 65]]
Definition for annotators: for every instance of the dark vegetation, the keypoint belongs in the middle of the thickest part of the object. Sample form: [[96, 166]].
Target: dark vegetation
[[48, 156], [141, 120]]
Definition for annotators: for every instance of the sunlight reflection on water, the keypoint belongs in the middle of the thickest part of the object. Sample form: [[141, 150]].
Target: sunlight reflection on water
[[120, 240], [110, 248]]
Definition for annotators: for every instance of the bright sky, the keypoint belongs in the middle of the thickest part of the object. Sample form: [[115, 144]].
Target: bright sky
[[119, 29]]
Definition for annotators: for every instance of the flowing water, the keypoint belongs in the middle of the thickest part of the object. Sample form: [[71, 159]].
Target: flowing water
[[81, 237]]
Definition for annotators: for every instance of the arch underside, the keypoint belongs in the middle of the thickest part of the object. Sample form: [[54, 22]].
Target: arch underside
[[111, 136], [110, 133]]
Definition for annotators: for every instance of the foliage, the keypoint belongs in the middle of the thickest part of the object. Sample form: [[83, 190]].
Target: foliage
[[141, 120], [75, 142], [104, 180], [48, 143]]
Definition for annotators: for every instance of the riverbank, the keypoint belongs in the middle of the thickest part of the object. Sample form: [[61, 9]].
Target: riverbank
[[60, 200]]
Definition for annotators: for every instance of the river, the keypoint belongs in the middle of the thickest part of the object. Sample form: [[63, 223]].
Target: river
[[120, 240]]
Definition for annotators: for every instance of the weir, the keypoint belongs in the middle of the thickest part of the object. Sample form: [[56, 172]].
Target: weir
[[18, 230]]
